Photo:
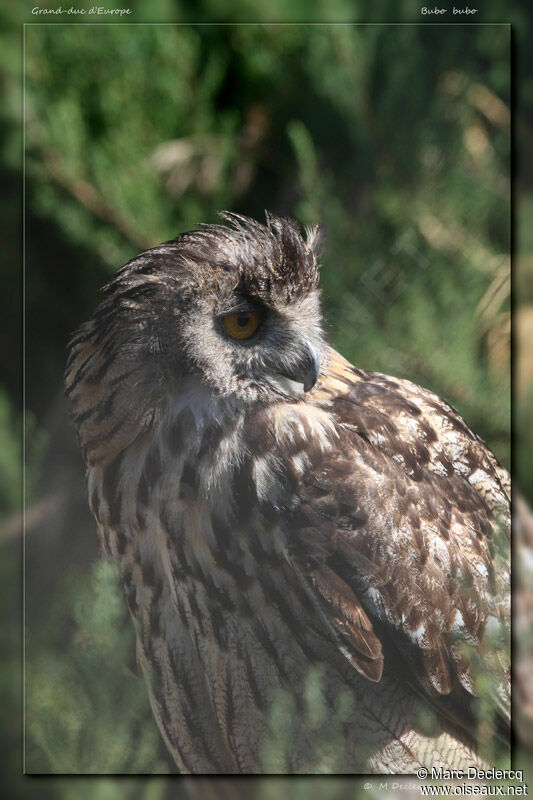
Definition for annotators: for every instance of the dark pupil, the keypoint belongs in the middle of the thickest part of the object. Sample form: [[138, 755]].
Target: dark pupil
[[243, 319]]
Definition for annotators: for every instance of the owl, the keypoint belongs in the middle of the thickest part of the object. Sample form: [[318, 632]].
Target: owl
[[313, 555]]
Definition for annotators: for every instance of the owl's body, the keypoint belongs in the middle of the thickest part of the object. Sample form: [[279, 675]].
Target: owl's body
[[278, 514]]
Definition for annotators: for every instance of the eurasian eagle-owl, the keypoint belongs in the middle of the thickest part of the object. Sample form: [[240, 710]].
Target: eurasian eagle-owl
[[274, 510]]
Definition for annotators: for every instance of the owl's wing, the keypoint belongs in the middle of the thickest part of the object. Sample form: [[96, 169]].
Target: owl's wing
[[394, 512]]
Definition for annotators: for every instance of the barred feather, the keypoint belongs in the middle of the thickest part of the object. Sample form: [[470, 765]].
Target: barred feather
[[262, 531]]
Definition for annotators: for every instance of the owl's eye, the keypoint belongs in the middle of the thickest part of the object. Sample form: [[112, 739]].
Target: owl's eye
[[241, 325]]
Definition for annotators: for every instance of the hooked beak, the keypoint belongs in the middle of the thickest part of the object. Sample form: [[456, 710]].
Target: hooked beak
[[306, 370]]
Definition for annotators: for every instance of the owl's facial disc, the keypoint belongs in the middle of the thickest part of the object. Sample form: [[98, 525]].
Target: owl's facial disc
[[243, 325], [269, 349], [246, 347]]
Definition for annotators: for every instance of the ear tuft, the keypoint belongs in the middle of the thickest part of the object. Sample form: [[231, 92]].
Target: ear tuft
[[315, 239]]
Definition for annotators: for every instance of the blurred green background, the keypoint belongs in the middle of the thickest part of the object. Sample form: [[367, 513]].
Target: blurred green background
[[397, 138]]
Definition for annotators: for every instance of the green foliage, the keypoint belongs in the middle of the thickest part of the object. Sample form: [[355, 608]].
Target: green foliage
[[101, 127], [326, 728], [86, 712], [11, 444], [490, 665], [10, 458]]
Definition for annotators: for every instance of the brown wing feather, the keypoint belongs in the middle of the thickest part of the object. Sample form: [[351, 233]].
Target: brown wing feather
[[425, 563], [350, 621], [394, 525], [414, 425]]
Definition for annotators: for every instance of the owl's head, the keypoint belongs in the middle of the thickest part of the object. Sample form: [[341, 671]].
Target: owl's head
[[234, 307], [246, 314]]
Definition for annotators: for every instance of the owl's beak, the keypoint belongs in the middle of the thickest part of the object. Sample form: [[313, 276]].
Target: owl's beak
[[306, 370]]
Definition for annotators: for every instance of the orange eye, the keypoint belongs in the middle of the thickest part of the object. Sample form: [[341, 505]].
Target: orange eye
[[242, 325]]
